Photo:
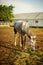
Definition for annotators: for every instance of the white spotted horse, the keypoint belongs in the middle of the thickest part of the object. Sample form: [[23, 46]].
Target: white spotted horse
[[23, 28]]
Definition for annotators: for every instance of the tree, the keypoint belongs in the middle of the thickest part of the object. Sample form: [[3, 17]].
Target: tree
[[6, 12]]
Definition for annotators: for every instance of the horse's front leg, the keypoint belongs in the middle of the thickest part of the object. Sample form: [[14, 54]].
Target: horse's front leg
[[23, 39]]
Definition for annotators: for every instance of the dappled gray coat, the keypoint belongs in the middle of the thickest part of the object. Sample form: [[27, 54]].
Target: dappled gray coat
[[23, 28]]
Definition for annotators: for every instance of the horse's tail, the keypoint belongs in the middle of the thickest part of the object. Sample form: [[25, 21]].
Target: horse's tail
[[15, 29]]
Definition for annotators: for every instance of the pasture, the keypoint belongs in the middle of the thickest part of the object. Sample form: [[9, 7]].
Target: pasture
[[9, 56], [7, 36]]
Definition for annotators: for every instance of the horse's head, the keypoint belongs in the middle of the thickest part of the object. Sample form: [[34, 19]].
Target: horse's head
[[33, 41]]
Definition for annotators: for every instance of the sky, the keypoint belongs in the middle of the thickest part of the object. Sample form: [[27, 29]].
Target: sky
[[24, 6]]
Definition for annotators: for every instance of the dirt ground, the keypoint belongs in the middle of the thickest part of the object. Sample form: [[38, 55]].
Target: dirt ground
[[10, 55], [7, 35]]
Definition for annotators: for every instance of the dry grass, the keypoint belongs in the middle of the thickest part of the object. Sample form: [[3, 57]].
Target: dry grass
[[38, 32], [7, 35], [9, 56]]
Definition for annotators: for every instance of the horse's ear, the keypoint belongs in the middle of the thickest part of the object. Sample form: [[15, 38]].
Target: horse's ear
[[34, 36]]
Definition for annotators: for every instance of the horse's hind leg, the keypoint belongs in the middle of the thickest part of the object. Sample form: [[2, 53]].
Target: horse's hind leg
[[15, 40], [15, 32]]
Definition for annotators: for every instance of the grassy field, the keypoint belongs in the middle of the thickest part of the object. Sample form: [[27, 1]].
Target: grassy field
[[10, 56]]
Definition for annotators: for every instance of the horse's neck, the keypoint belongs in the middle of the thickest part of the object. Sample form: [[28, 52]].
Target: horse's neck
[[29, 34], [26, 29]]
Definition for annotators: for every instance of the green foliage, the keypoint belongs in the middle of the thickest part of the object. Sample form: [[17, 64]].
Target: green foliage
[[6, 12]]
